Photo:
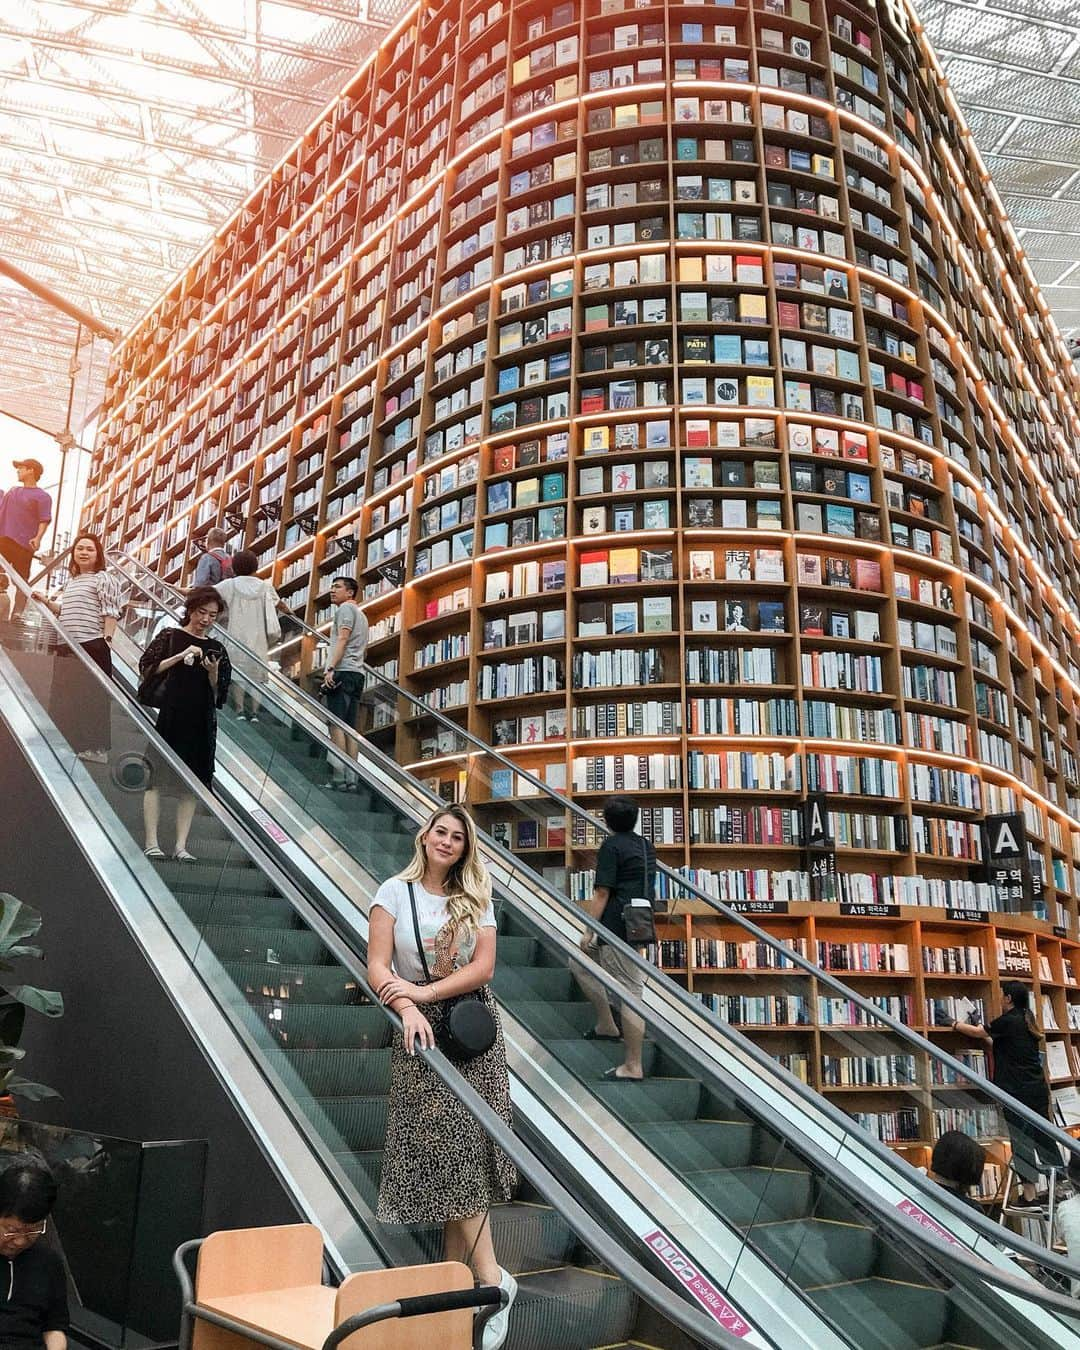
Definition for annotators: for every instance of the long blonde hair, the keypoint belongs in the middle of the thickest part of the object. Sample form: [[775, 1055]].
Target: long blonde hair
[[468, 886]]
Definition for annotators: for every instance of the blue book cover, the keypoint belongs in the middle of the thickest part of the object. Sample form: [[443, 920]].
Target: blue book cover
[[502, 783], [686, 147], [498, 498], [727, 349], [858, 486], [509, 379], [840, 520], [497, 535], [552, 487]]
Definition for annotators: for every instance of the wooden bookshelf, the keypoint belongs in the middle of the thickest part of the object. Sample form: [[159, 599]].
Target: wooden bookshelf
[[681, 361]]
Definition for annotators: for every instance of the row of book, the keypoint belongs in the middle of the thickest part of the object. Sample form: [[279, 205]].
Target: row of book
[[864, 888], [960, 960], [868, 1071], [942, 1075], [864, 956], [940, 837], [716, 954], [626, 773]]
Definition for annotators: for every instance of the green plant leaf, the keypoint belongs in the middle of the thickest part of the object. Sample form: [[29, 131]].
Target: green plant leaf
[[17, 921], [31, 1092], [47, 1001]]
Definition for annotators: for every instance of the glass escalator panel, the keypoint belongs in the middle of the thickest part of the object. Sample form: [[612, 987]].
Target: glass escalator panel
[[296, 998]]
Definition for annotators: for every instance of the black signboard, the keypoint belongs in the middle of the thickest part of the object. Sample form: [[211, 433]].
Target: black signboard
[[759, 906], [967, 915], [816, 832], [1008, 866], [856, 911]]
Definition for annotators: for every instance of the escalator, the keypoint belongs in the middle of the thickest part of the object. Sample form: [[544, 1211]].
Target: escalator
[[772, 1218], [284, 761]]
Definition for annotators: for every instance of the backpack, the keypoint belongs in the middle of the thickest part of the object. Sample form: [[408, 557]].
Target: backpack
[[223, 561]]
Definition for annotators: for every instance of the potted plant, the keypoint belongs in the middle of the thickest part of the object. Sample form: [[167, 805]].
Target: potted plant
[[18, 923]]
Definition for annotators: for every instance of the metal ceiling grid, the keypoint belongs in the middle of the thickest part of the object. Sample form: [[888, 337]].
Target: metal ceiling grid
[[131, 129]]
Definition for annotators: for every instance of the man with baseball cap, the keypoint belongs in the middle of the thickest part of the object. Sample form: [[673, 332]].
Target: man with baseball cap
[[25, 512]]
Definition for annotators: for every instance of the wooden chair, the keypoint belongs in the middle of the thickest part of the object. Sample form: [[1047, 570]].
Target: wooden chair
[[263, 1287]]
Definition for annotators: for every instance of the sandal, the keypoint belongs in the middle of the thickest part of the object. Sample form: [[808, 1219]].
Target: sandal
[[182, 855], [596, 1036], [613, 1076], [153, 852]]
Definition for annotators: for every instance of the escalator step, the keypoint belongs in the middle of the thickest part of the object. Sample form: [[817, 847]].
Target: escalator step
[[254, 911], [335, 1073], [355, 1124], [363, 1169], [512, 985], [817, 1251], [555, 1019], [530, 1237], [286, 945], [323, 1026], [752, 1195], [697, 1145], [886, 1315], [202, 876], [295, 983], [590, 1059], [653, 1099], [517, 951], [569, 1308]]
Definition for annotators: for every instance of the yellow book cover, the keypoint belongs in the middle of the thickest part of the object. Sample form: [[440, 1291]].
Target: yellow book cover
[[626, 115], [521, 70], [622, 566], [690, 269]]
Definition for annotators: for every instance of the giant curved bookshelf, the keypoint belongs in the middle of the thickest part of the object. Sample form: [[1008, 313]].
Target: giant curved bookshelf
[[673, 383]]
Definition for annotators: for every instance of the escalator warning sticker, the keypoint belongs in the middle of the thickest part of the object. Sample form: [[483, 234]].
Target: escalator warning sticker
[[274, 830], [697, 1284], [912, 1210]]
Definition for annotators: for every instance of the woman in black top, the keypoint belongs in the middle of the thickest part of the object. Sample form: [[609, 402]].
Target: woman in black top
[[196, 674], [1018, 1070]]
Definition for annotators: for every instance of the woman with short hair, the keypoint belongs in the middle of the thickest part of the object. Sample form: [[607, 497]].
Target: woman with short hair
[[185, 675]]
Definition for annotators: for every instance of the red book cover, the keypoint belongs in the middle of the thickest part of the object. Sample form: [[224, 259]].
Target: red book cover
[[502, 461], [897, 383], [788, 313], [867, 575]]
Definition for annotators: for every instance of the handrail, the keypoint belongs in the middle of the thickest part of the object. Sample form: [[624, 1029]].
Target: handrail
[[793, 958], [652, 1290], [808, 1096], [947, 1253]]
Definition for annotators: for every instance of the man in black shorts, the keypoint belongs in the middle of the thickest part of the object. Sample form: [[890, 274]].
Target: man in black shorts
[[33, 1289], [343, 681]]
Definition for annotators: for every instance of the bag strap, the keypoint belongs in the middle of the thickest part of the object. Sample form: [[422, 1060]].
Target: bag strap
[[646, 889], [416, 931]]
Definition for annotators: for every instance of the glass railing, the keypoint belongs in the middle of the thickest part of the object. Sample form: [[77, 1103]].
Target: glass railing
[[537, 985], [887, 1055], [292, 987], [122, 1207]]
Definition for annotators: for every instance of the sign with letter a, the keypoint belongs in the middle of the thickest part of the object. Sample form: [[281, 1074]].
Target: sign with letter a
[[1008, 867]]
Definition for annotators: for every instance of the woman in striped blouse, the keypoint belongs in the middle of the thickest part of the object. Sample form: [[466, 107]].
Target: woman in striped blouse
[[88, 608]]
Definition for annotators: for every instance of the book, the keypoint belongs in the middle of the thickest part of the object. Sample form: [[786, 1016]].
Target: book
[[656, 614], [702, 565], [594, 568], [703, 616]]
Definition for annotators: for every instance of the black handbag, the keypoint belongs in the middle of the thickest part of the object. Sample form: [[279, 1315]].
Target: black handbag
[[151, 691], [637, 913], [468, 1029]]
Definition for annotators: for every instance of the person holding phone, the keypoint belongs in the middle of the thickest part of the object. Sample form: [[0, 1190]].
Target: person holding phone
[[186, 675]]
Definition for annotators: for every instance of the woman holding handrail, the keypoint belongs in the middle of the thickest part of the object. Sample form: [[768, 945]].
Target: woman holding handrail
[[1018, 1070], [432, 941]]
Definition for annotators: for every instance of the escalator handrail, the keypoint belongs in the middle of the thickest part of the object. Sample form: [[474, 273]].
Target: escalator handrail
[[808, 1096], [348, 938], [587, 1229], [796, 959]]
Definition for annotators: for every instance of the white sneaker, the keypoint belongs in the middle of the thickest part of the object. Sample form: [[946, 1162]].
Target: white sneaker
[[496, 1327], [94, 756]]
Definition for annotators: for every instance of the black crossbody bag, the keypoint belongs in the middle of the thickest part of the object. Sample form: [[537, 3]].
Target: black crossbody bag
[[469, 1028], [637, 913]]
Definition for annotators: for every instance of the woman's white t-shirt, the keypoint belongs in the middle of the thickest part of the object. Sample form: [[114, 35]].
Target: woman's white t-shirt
[[432, 913]]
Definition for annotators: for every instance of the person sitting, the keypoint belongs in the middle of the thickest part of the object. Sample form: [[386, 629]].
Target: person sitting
[[33, 1290], [957, 1163]]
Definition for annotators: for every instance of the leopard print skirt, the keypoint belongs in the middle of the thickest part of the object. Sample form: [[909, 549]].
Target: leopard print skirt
[[438, 1162]]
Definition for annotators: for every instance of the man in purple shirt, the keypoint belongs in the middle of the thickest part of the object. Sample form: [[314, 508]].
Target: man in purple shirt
[[25, 512]]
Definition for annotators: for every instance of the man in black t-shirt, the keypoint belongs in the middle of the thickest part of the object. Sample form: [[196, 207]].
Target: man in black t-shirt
[[625, 870], [33, 1287]]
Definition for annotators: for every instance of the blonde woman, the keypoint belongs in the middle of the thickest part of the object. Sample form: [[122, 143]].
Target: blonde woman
[[439, 1166]]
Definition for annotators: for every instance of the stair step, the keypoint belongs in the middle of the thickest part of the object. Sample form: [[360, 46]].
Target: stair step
[[555, 1019], [569, 1308], [513, 985], [746, 1196], [517, 951], [234, 876], [700, 1145], [817, 1251], [354, 1124], [285, 945], [294, 982], [244, 909], [878, 1314], [335, 1073], [590, 1059], [323, 1026], [652, 1099]]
